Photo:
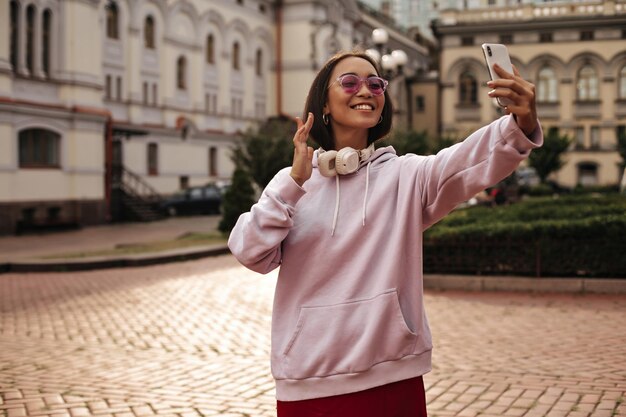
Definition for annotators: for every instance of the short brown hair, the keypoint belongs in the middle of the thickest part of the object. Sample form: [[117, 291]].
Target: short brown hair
[[318, 95]]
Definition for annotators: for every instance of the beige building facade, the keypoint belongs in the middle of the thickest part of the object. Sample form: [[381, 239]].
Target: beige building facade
[[574, 53], [155, 91]]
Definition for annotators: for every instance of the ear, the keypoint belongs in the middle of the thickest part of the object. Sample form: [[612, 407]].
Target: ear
[[325, 108]]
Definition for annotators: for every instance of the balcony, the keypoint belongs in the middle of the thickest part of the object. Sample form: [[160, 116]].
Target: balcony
[[549, 110], [467, 112], [587, 109]]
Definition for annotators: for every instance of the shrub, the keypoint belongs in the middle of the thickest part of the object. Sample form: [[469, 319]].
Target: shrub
[[237, 200], [569, 236]]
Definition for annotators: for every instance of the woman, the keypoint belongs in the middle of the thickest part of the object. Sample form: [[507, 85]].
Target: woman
[[344, 223]]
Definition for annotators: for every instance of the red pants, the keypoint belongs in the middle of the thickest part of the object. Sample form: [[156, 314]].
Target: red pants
[[399, 399]]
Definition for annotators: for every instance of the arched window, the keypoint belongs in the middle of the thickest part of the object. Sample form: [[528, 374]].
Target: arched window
[[30, 39], [112, 20], [39, 148], [181, 73], [148, 33], [210, 49], [236, 52], [587, 85], [46, 39], [468, 88], [15, 13], [547, 87], [622, 83], [258, 63]]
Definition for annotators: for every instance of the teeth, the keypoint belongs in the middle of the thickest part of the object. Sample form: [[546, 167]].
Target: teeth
[[363, 107]]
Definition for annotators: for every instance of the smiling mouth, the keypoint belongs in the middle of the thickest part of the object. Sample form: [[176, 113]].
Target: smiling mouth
[[363, 107]]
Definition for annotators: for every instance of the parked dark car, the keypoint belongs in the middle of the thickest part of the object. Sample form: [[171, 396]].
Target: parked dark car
[[194, 200]]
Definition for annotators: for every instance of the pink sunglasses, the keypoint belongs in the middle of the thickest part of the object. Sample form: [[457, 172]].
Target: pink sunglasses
[[352, 83]]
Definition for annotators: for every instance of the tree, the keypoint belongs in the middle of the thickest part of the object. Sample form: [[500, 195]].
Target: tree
[[237, 199], [265, 152], [549, 158], [442, 143], [408, 141], [258, 157], [621, 147]]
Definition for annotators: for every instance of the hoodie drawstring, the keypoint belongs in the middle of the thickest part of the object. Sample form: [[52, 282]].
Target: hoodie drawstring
[[332, 231], [367, 184], [338, 194]]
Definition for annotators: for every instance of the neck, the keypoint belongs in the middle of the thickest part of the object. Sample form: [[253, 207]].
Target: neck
[[354, 139]]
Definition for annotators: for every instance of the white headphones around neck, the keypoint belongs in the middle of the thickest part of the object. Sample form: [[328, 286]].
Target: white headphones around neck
[[342, 162]]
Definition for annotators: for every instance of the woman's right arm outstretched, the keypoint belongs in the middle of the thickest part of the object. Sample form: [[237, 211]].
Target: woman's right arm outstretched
[[256, 238]]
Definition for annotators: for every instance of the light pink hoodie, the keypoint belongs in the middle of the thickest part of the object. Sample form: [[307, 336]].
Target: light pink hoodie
[[348, 309]]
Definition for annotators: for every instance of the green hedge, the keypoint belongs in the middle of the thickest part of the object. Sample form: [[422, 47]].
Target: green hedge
[[568, 236]]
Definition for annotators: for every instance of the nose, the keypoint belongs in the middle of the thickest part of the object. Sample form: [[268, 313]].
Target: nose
[[364, 90]]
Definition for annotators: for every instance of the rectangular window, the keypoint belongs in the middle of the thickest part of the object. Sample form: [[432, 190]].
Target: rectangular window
[[586, 35], [153, 159], [14, 35], [30, 39], [119, 88], [145, 93], [506, 39], [183, 182], [107, 87], [579, 134], [595, 137], [154, 94], [545, 37], [46, 39], [420, 105], [212, 161], [467, 40]]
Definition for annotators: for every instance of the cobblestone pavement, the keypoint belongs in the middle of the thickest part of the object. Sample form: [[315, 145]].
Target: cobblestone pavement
[[192, 339]]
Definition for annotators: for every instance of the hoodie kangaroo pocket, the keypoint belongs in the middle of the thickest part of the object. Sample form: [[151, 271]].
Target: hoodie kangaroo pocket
[[348, 338]]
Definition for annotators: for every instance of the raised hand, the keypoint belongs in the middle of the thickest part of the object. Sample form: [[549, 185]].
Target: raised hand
[[302, 166], [521, 93]]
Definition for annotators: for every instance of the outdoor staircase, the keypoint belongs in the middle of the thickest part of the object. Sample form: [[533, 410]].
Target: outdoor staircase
[[133, 199]]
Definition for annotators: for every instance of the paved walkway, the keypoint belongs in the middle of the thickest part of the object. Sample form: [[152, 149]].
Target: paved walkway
[[191, 339], [108, 236]]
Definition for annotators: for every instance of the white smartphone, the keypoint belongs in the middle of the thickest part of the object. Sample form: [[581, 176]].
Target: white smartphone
[[496, 53]]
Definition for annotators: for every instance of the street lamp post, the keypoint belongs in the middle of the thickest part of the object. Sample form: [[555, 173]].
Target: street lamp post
[[393, 64]]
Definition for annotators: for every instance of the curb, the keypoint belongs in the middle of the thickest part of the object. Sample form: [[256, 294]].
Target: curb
[[524, 284], [435, 282], [70, 265]]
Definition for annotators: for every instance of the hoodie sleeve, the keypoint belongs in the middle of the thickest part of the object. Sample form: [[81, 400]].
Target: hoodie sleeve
[[256, 238], [484, 158]]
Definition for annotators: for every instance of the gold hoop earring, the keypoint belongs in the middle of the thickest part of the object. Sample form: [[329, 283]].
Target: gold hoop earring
[[325, 119], [380, 120]]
